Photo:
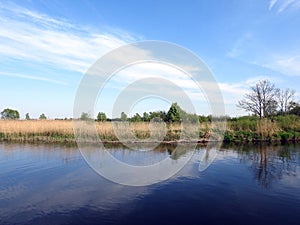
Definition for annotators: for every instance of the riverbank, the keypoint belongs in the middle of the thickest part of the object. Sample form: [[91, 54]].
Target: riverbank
[[237, 131]]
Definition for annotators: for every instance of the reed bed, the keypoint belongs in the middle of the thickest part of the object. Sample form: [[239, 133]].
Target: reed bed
[[280, 128], [62, 131], [36, 130]]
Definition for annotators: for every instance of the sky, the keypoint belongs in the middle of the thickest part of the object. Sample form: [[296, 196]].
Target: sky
[[46, 47]]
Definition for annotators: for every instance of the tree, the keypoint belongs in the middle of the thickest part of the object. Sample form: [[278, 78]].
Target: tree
[[146, 117], [204, 118], [285, 100], [158, 114], [27, 117], [42, 117], [123, 116], [294, 108], [271, 108], [136, 118], [261, 100], [174, 113], [85, 116], [10, 114], [101, 116]]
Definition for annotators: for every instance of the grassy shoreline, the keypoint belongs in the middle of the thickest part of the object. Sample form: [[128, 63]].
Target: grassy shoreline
[[237, 131]]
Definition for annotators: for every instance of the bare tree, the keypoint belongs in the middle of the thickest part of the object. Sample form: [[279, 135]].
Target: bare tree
[[261, 100], [285, 100]]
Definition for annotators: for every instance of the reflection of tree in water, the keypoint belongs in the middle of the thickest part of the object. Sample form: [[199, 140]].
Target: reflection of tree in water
[[270, 163], [176, 151]]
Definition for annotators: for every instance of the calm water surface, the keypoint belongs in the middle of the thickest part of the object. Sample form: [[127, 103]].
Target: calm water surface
[[52, 184]]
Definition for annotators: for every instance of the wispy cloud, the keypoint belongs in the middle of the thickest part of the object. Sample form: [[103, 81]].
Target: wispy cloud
[[31, 77], [282, 61], [32, 36], [289, 65], [240, 45], [271, 4], [282, 5], [232, 92]]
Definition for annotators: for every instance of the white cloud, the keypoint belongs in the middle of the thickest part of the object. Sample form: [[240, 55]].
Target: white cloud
[[36, 37], [31, 77], [285, 4], [240, 45], [272, 3], [282, 5], [252, 81], [232, 92], [287, 65]]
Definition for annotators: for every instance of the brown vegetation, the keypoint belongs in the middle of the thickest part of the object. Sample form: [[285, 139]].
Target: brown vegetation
[[248, 129]]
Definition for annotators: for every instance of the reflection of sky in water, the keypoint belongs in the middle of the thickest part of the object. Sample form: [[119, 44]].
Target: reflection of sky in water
[[52, 182]]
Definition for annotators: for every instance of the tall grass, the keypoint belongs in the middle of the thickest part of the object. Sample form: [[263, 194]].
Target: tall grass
[[240, 129], [274, 128], [62, 130], [39, 130]]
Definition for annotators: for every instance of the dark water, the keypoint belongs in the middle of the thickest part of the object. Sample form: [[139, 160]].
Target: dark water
[[52, 184]]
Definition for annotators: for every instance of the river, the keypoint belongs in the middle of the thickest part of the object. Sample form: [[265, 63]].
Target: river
[[245, 184]]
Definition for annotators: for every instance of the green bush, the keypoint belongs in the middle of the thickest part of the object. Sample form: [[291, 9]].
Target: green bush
[[285, 136], [228, 137]]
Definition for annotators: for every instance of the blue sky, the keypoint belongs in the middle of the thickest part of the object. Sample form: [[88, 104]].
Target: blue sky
[[47, 46]]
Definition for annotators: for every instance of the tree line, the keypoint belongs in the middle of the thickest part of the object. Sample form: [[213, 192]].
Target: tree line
[[263, 100], [174, 114], [12, 114]]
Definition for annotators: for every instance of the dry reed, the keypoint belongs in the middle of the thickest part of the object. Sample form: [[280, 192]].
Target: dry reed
[[62, 130]]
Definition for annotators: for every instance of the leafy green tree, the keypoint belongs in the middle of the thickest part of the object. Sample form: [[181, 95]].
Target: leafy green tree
[[136, 118], [146, 116], [174, 113], [177, 114], [27, 117], [204, 119], [10, 114], [123, 116], [42, 117], [85, 116], [101, 116], [158, 114]]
